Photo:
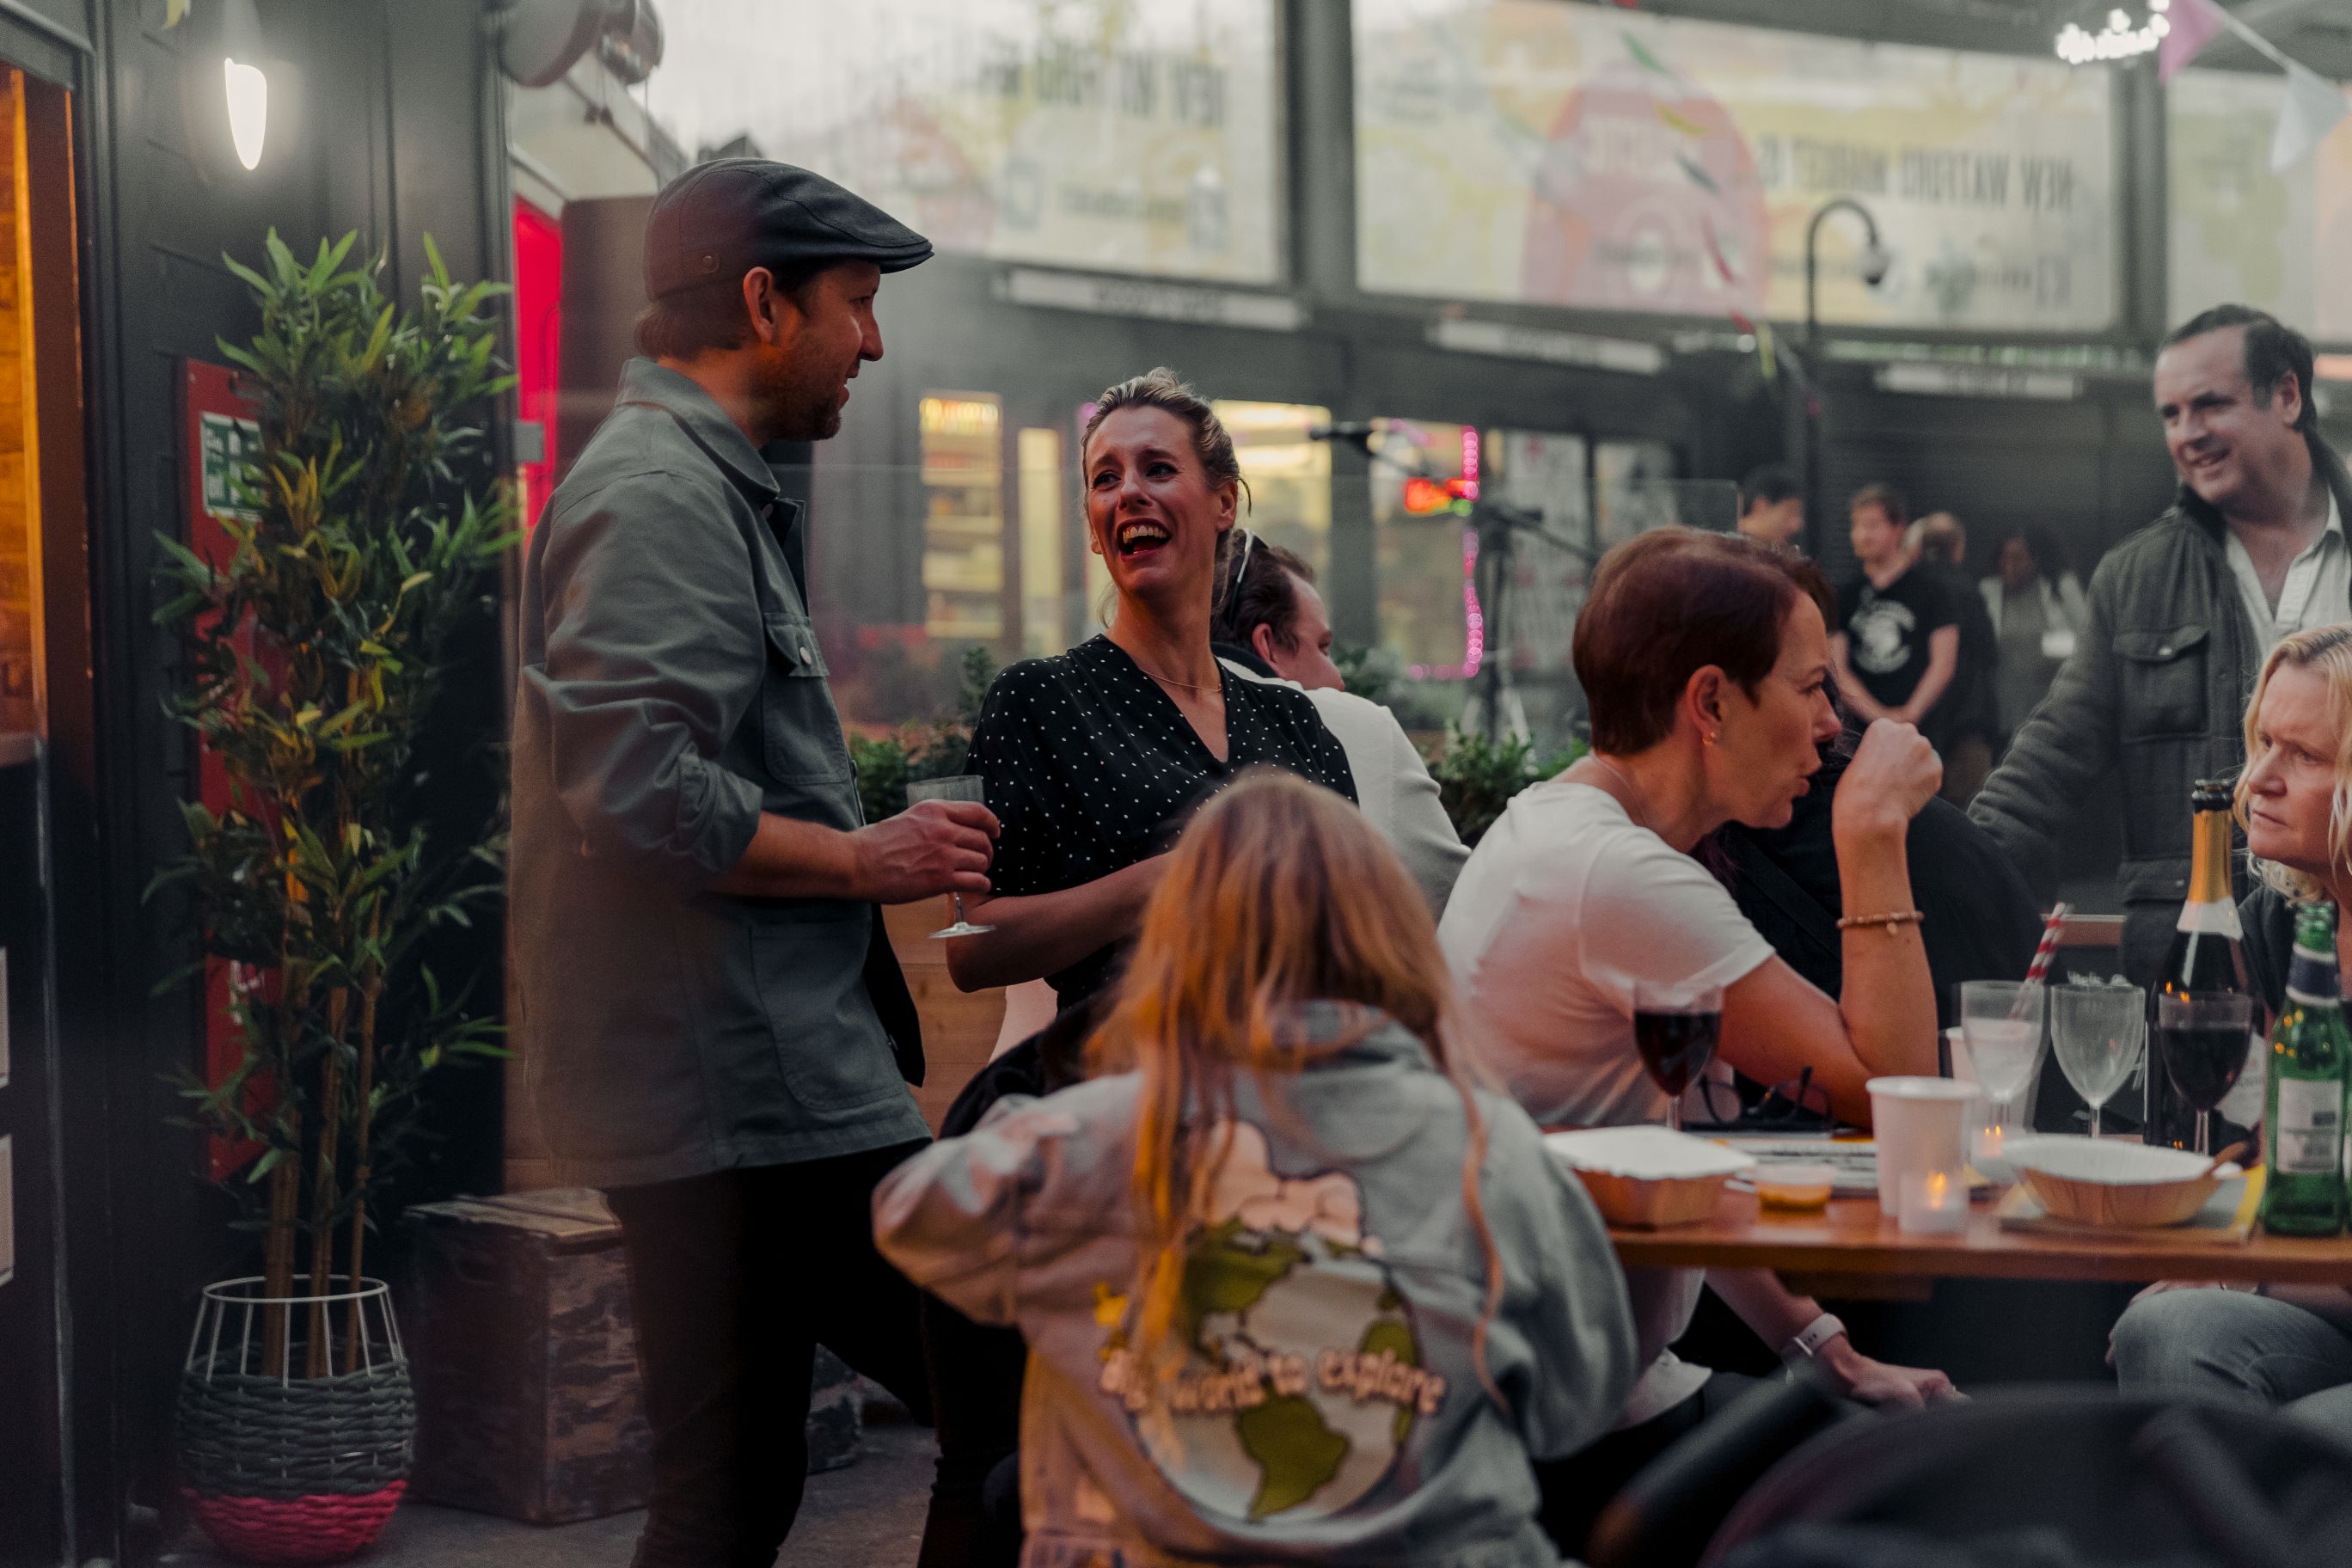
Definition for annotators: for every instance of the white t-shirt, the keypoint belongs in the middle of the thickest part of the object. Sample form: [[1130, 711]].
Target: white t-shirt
[[1564, 905]]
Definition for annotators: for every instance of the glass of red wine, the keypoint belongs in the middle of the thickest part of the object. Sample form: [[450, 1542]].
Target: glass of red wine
[[1676, 1028], [2201, 1038]]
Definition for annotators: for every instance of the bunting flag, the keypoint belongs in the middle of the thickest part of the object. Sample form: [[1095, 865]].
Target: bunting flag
[[2313, 106], [2194, 23]]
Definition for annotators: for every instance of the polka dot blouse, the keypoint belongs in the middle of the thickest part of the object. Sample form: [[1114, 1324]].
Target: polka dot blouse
[[1091, 767]]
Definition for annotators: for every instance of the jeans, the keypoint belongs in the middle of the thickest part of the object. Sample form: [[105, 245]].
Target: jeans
[[2234, 1342], [735, 1279]]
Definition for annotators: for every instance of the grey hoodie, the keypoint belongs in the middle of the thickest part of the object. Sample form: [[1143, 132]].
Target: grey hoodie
[[1328, 1409]]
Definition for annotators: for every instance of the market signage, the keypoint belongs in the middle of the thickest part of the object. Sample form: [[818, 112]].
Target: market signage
[[1549, 347], [1551, 153], [1089, 133], [2239, 231], [1978, 381], [1161, 302]]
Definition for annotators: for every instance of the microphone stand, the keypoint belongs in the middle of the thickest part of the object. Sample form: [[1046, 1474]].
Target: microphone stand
[[1498, 527]]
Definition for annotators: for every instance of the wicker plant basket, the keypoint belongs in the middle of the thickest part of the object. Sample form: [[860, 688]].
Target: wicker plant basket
[[280, 1468]]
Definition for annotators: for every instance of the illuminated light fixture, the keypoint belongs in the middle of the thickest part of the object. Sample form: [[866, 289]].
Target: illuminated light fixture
[[2118, 40], [249, 110], [248, 85], [1425, 497]]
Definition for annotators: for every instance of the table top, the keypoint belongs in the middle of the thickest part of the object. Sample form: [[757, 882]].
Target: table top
[[1853, 1237]]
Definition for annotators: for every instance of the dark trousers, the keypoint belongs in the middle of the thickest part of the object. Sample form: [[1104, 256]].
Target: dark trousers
[[736, 1278], [976, 1375], [1575, 1489]]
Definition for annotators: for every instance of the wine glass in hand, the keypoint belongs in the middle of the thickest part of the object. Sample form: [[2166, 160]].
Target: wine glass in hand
[[1676, 1028], [957, 786]]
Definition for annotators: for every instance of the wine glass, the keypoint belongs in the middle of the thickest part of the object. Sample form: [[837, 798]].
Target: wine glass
[[1676, 1028], [956, 786], [2201, 1038], [2098, 1032], [2000, 1021]]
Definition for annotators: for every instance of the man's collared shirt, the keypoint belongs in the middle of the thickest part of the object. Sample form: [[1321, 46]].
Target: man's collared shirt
[[2318, 587], [671, 690]]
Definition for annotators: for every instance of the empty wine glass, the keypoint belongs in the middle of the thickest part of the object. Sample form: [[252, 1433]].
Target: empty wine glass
[[2098, 1032], [957, 786], [2000, 1020]]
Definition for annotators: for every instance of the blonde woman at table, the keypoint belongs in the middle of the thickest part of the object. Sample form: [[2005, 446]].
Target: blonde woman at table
[[1295, 1288], [2289, 1345], [1706, 663]]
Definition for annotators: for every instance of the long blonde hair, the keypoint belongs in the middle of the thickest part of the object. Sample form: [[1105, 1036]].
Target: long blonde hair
[[1278, 895], [2328, 650]]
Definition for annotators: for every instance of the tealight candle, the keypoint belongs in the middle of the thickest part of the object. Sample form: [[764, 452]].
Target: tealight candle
[[1933, 1203]]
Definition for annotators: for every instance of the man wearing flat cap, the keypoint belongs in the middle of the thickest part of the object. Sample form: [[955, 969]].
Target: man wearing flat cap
[[715, 1031]]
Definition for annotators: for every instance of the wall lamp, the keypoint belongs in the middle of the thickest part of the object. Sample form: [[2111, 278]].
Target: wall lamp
[[247, 83]]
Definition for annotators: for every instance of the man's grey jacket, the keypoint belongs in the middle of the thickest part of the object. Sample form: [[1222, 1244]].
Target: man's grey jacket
[[671, 690], [2153, 700]]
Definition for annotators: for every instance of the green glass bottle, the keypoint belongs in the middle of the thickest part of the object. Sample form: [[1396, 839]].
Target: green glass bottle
[[2310, 1064]]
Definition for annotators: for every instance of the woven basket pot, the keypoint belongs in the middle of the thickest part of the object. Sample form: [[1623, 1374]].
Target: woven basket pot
[[282, 1467]]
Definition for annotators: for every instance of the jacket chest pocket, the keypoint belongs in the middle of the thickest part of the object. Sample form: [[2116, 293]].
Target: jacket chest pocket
[[2162, 674], [797, 720]]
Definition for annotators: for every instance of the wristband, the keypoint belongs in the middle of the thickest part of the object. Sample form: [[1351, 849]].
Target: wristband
[[1807, 1341], [1894, 921]]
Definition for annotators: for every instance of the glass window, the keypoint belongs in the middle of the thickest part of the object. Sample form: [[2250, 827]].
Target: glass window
[[1047, 613], [1289, 474], [1102, 134], [1633, 488], [1423, 477], [964, 515], [1591, 157], [22, 643]]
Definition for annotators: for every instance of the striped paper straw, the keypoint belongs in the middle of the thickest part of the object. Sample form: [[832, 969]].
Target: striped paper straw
[[2047, 950]]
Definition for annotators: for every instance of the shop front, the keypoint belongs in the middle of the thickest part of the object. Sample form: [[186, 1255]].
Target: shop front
[[132, 160]]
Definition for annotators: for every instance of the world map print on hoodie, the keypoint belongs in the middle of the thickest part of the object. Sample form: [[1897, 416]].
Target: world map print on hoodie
[[1301, 1376]]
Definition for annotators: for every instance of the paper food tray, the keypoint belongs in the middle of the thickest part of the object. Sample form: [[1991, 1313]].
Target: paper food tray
[[2226, 1220]]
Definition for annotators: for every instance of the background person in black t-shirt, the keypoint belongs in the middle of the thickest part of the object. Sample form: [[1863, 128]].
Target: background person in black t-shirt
[[1966, 727], [1897, 640]]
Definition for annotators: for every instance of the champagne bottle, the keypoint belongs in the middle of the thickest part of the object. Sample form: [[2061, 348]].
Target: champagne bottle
[[2310, 1064], [2206, 956]]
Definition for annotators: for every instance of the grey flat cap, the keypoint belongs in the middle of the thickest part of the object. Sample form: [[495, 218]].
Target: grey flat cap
[[722, 218]]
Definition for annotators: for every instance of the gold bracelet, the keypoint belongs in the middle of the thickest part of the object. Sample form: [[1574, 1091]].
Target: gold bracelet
[[1893, 922]]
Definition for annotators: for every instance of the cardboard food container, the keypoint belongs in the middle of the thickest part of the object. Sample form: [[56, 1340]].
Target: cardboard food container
[[1646, 1177], [2114, 1181]]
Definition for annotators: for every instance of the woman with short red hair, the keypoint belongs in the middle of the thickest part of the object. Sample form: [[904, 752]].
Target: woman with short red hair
[[1705, 661]]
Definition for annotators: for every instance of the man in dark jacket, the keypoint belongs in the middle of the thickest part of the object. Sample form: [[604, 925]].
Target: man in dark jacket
[[713, 1028], [2181, 614]]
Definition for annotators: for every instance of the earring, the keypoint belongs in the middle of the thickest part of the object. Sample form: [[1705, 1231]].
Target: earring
[[1713, 736]]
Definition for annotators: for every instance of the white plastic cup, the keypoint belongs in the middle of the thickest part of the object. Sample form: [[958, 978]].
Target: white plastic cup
[[1917, 1125]]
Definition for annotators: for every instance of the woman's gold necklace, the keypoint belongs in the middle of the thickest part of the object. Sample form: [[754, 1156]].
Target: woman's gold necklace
[[1633, 805], [1185, 684], [1164, 680]]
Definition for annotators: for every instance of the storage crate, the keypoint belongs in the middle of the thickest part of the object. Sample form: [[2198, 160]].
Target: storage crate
[[516, 1310]]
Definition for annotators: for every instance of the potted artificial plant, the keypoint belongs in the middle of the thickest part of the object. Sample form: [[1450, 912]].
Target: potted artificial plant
[[316, 635]]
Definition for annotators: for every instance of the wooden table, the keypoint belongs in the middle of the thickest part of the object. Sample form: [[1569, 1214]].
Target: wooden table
[[1851, 1238]]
